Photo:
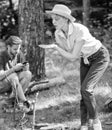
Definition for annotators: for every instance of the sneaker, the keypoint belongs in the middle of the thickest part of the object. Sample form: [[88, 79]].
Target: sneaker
[[97, 124], [84, 127], [27, 107], [30, 112], [26, 103]]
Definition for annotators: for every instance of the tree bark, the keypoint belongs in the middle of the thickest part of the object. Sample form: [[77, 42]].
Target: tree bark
[[86, 12], [31, 30], [10, 5]]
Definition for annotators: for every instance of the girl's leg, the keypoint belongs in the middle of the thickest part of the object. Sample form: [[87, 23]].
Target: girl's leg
[[94, 74], [96, 68], [83, 109]]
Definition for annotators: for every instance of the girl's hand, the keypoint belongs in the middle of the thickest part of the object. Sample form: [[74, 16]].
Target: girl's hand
[[48, 46]]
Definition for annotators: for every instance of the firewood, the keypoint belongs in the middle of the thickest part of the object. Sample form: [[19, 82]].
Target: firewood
[[46, 85], [53, 127]]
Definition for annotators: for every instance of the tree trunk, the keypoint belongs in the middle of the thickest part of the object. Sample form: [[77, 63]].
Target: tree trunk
[[31, 30], [86, 12], [10, 4]]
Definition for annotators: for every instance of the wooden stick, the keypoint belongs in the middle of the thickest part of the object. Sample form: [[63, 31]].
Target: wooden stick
[[34, 108], [52, 127]]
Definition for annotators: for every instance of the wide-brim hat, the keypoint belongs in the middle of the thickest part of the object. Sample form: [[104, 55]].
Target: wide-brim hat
[[62, 10]]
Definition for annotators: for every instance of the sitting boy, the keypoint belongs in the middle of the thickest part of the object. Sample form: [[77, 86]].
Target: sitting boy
[[13, 73]]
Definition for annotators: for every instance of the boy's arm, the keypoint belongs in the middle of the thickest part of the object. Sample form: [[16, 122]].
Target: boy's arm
[[5, 73]]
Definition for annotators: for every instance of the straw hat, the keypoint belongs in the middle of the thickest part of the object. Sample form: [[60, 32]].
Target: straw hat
[[62, 10]]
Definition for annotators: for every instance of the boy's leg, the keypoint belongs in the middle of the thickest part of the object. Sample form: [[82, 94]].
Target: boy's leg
[[14, 81], [83, 109], [25, 78]]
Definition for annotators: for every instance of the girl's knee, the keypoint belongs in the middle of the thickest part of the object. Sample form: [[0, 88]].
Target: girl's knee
[[86, 93]]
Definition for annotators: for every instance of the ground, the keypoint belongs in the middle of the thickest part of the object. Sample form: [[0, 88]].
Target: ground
[[60, 104]]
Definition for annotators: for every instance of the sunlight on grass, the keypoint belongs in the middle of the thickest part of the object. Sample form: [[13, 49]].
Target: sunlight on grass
[[70, 73], [103, 89], [102, 93], [42, 103]]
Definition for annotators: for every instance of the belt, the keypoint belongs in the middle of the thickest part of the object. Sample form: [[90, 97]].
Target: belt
[[86, 61]]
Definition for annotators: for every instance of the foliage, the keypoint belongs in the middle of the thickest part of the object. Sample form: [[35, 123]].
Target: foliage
[[101, 28], [9, 20]]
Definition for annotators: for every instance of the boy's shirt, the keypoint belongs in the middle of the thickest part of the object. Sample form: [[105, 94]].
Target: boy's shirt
[[5, 60]]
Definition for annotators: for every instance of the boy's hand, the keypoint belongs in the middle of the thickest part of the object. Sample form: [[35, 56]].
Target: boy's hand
[[26, 67], [18, 67]]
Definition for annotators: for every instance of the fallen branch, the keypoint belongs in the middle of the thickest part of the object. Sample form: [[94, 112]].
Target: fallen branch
[[45, 85], [54, 127]]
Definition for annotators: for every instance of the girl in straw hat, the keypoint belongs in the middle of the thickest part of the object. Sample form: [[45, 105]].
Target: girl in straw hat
[[73, 40]]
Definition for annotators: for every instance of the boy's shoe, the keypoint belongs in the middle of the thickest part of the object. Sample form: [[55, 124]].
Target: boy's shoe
[[30, 112], [26, 103], [27, 107], [84, 127], [97, 124]]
